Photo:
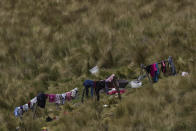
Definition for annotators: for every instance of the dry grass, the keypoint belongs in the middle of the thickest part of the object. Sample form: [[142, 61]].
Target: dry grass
[[50, 46]]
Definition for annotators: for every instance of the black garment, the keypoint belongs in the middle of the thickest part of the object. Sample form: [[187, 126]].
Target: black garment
[[148, 68], [49, 119], [99, 85], [123, 83], [41, 100]]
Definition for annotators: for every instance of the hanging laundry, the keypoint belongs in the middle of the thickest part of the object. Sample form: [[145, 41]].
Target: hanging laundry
[[32, 102], [58, 99], [148, 68], [18, 112], [153, 69], [63, 98], [172, 66], [156, 75], [25, 107], [51, 98], [89, 84], [41, 100], [68, 96], [154, 72], [109, 79], [163, 66], [74, 92]]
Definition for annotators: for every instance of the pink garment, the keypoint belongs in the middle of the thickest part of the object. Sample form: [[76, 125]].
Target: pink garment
[[163, 67], [109, 79], [115, 91], [52, 98], [153, 70], [68, 96]]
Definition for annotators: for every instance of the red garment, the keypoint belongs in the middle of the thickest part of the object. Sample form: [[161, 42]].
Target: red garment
[[163, 67], [68, 96], [153, 70], [52, 98], [115, 91]]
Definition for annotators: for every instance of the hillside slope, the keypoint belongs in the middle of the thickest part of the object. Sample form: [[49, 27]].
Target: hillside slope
[[50, 46]]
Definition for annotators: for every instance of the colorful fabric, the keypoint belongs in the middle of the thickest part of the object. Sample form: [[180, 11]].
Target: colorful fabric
[[157, 66], [163, 66], [68, 96], [52, 98], [153, 70], [40, 99], [58, 99], [114, 91], [109, 79], [156, 76]]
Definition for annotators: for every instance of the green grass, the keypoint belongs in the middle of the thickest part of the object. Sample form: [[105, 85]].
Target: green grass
[[50, 46]]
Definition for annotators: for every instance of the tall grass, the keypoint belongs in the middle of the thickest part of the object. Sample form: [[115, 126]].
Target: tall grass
[[50, 46]]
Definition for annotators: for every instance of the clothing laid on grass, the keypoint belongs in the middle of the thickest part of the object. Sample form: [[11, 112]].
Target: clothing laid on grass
[[114, 91]]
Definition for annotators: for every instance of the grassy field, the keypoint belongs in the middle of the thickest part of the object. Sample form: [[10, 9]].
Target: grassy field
[[50, 46]]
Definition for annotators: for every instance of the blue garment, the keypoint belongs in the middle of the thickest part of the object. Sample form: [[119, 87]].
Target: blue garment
[[16, 112], [156, 76], [157, 66], [172, 67], [89, 84]]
